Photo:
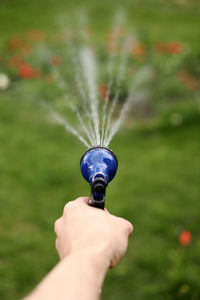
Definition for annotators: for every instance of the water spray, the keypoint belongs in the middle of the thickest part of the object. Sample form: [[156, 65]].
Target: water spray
[[98, 166]]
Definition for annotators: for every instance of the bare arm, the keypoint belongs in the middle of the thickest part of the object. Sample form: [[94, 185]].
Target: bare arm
[[89, 241]]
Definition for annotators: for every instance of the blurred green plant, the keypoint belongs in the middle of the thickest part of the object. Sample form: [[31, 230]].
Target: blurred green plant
[[163, 74]]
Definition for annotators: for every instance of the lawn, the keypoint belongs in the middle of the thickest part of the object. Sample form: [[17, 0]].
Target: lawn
[[157, 185]]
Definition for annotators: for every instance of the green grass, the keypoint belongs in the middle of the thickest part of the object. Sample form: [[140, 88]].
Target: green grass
[[156, 187]]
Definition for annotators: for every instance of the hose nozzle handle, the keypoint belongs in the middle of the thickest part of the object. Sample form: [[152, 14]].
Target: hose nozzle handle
[[98, 191]]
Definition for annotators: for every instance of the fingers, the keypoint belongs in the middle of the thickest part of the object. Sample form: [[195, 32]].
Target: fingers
[[82, 200], [107, 211], [126, 225], [56, 244], [57, 226], [79, 201], [130, 228]]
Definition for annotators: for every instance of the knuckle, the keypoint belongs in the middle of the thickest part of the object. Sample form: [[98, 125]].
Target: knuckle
[[82, 199], [79, 198], [56, 244], [129, 227], [57, 225], [67, 206]]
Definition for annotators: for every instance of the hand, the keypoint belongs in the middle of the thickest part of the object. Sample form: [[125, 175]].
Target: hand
[[94, 231]]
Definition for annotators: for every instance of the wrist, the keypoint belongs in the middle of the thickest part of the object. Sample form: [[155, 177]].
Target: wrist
[[85, 269], [95, 258], [91, 267]]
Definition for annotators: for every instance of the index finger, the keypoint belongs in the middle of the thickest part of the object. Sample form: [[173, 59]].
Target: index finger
[[82, 200]]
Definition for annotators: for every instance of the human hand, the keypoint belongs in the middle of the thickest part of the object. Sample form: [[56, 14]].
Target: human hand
[[91, 230]]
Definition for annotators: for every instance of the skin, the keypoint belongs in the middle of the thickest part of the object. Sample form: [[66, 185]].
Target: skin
[[89, 242]]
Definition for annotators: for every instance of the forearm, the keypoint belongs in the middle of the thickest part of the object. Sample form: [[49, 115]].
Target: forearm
[[77, 277]]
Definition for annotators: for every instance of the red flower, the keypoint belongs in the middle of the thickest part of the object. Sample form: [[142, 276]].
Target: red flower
[[139, 51], [36, 35], [27, 72], [56, 60], [103, 89], [169, 48], [175, 48], [185, 238], [15, 43], [191, 83]]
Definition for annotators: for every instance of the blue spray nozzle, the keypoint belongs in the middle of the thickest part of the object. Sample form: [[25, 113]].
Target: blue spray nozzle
[[98, 167]]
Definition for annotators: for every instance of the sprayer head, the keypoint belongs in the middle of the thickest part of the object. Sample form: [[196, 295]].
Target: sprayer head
[[98, 167]]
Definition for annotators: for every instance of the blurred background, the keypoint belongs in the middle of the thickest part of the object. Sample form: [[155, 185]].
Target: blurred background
[[157, 185]]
